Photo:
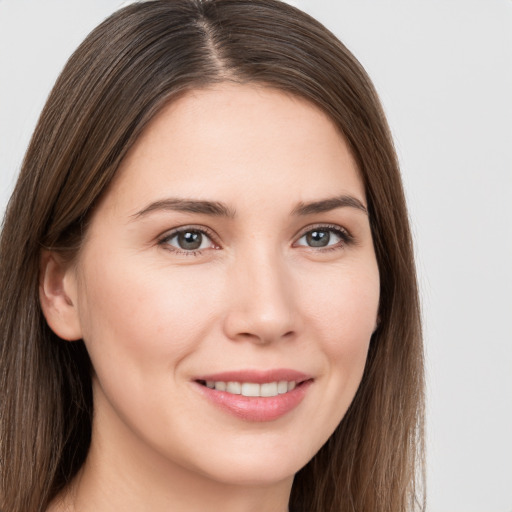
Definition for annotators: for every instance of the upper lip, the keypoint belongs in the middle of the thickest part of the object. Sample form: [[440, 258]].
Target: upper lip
[[256, 376]]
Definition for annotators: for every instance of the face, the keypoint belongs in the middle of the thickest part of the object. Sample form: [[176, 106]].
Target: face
[[227, 288]]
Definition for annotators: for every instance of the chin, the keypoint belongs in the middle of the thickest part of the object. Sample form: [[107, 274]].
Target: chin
[[262, 465], [260, 474]]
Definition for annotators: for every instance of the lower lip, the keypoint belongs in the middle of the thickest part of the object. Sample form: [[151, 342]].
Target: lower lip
[[260, 409]]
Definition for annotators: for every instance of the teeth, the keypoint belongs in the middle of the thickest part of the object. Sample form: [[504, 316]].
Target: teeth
[[282, 387], [234, 387], [266, 389], [251, 389]]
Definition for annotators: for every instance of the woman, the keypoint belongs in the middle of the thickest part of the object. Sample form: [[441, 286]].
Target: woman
[[209, 290]]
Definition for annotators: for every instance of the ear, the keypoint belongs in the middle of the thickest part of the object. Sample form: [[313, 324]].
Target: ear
[[58, 296]]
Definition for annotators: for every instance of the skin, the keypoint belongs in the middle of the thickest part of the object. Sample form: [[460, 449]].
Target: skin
[[257, 295]]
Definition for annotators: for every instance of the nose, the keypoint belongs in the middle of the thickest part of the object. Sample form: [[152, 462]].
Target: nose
[[262, 306]]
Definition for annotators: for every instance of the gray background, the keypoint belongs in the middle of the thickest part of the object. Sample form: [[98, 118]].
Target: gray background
[[443, 69]]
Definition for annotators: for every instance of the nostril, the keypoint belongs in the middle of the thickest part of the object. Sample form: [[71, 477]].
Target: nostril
[[263, 323]]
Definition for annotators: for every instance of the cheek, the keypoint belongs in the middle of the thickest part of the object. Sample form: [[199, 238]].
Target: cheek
[[351, 317], [343, 314], [344, 309], [142, 320], [138, 328]]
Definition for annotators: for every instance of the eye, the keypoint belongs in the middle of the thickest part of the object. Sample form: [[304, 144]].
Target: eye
[[188, 240], [324, 237]]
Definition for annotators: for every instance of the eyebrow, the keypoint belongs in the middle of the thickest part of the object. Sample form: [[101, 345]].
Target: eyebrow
[[218, 209], [327, 205], [213, 208]]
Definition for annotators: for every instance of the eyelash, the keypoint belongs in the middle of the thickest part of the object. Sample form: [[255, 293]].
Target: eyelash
[[346, 238], [164, 241], [342, 233]]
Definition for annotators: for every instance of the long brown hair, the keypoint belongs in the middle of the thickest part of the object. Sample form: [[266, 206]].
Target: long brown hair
[[126, 70]]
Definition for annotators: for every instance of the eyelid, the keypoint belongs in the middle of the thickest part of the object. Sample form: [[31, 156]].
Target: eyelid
[[163, 239], [343, 232], [169, 234]]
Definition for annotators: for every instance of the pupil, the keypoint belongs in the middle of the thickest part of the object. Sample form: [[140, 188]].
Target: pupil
[[318, 238], [190, 240]]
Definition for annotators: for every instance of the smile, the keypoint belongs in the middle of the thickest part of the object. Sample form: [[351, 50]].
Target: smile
[[267, 389], [255, 396]]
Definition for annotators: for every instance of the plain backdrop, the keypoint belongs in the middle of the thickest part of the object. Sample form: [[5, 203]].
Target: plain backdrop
[[443, 69]]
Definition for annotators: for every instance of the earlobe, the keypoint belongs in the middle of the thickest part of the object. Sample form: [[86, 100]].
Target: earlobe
[[57, 294]]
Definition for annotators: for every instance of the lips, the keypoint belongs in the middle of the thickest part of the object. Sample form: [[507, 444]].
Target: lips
[[255, 395]]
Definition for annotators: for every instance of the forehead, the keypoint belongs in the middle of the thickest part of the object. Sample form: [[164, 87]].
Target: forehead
[[241, 142]]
